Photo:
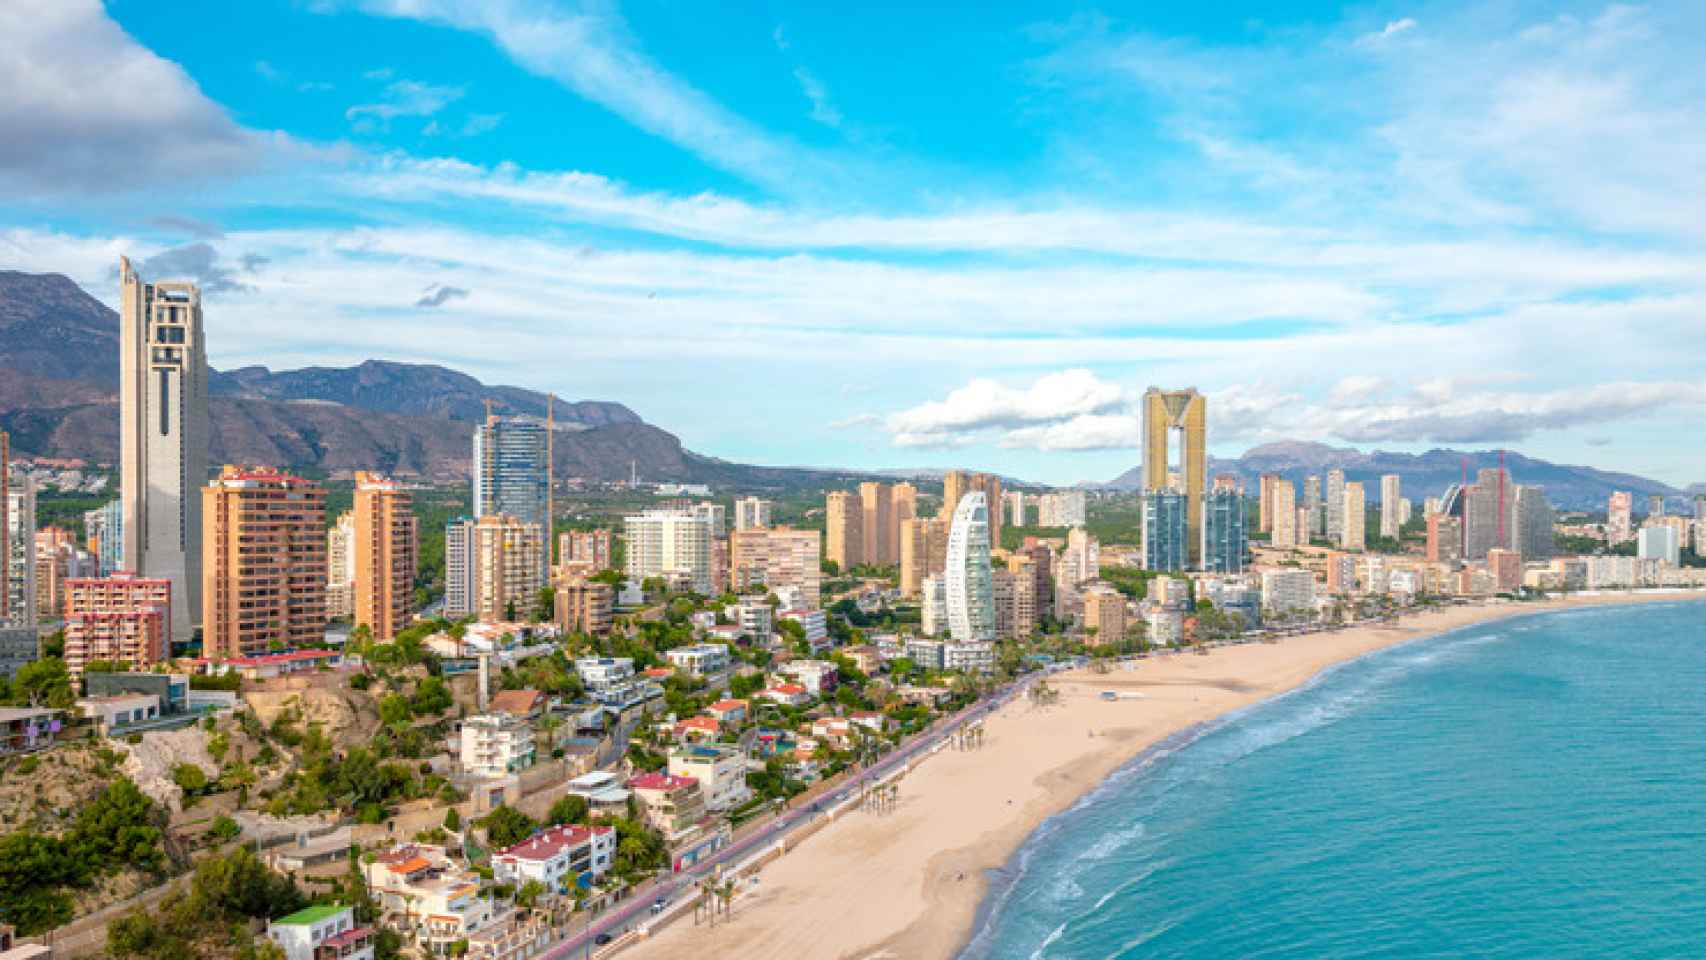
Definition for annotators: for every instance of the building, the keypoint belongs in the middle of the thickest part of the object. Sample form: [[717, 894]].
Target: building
[[117, 714], [1352, 526], [1284, 533], [560, 858], [813, 624], [6, 530], [967, 579], [170, 690], [957, 483], [844, 530], [386, 553], [1225, 538], [608, 680], [1391, 508], [1341, 573], [264, 553], [491, 567], [670, 804], [1184, 414], [1013, 507], [672, 545], [1659, 542], [1532, 534], [1166, 530], [1488, 509], [1445, 539], [424, 894], [18, 564], [1265, 512], [1655, 506], [585, 606], [1105, 613], [584, 551], [923, 552], [777, 558], [512, 474], [340, 567], [1015, 597], [163, 436], [1336, 506], [875, 503], [720, 771], [1506, 569], [27, 729], [105, 528], [1314, 524], [756, 620], [1063, 508], [1285, 591], [752, 512], [700, 659], [1620, 523], [322, 932], [122, 619], [933, 606], [496, 745]]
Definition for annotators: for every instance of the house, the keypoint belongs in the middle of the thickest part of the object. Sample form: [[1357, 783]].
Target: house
[[522, 704], [172, 689], [720, 770], [871, 720], [658, 674], [818, 676], [116, 714], [496, 745], [729, 633], [23, 729], [700, 659], [836, 730], [559, 857], [265, 666], [935, 696], [425, 895], [787, 694], [602, 791], [730, 712], [694, 729], [322, 932], [513, 935], [868, 659], [669, 803], [814, 624]]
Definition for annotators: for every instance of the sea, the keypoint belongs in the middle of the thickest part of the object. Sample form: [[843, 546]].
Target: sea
[[1533, 787]]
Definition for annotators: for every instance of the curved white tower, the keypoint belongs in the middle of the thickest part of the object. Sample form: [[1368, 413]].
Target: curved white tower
[[970, 587]]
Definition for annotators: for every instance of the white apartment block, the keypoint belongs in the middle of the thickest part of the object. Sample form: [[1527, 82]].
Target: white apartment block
[[752, 512], [1288, 590], [674, 545], [561, 857], [496, 745], [700, 659], [721, 772]]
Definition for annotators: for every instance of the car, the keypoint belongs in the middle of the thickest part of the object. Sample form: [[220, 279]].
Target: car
[[602, 939]]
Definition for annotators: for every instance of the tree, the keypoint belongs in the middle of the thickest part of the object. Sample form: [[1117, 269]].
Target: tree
[[189, 778], [224, 828], [545, 605], [120, 828], [394, 711], [33, 868], [43, 683], [570, 809], [507, 826], [452, 820], [529, 893]]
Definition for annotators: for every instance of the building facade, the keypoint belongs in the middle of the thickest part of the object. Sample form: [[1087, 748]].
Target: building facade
[[1166, 530], [1285, 533], [512, 473], [491, 566], [1225, 537], [751, 512], [264, 572], [674, 545], [1353, 534], [1182, 414], [123, 619], [386, 555], [967, 578], [777, 557], [1391, 506], [340, 567]]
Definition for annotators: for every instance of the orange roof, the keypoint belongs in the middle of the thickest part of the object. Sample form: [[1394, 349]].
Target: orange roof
[[410, 865]]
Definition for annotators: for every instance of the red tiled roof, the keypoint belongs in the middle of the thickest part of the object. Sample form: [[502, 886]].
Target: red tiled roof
[[549, 843], [353, 935], [288, 656], [722, 706], [518, 702], [788, 688], [660, 781]]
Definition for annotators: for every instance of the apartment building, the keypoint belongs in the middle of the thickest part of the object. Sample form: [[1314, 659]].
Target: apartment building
[[263, 562]]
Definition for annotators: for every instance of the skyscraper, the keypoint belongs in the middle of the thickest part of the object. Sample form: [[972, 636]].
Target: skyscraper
[[876, 505], [1655, 505], [1353, 535], [968, 579], [1015, 599], [385, 555], [844, 529], [1445, 539], [674, 545], [1166, 530], [1489, 513], [512, 474], [1620, 523], [163, 435], [903, 506], [1224, 540], [1183, 414], [1391, 507], [5, 524], [491, 565], [1285, 534], [122, 619], [340, 567], [264, 582], [1265, 515], [752, 512], [776, 557], [923, 552], [105, 528], [18, 566], [1336, 505], [1314, 526], [1531, 531], [957, 483]]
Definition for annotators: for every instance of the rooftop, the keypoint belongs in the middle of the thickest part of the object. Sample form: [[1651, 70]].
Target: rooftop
[[660, 781], [547, 844], [318, 913]]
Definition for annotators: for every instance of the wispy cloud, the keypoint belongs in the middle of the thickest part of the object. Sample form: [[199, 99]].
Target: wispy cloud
[[437, 295], [822, 111], [403, 98]]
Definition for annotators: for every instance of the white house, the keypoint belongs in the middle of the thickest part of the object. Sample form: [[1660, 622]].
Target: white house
[[323, 932], [700, 659], [559, 858], [496, 745], [721, 773]]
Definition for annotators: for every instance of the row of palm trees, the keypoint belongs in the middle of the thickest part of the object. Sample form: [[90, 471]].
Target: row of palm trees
[[879, 797], [1042, 694], [968, 737], [716, 897]]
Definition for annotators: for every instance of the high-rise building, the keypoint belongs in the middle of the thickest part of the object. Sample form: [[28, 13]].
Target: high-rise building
[[1315, 525], [875, 504], [1336, 505], [752, 512], [1620, 524], [584, 551], [1286, 591], [386, 555], [340, 567], [1353, 533], [1105, 613], [957, 483], [1166, 530], [1391, 507], [1659, 542], [1700, 507], [585, 606], [1015, 598], [844, 529], [163, 435], [1080, 561], [1655, 505], [933, 606], [1445, 539], [1282, 501], [1063, 508], [264, 552], [903, 506], [1531, 531], [122, 619], [1013, 507], [1488, 509], [716, 518], [18, 567], [968, 579], [512, 473], [491, 566], [1039, 559], [777, 558], [1184, 413], [1225, 541], [674, 545], [923, 552], [1505, 566], [1265, 515], [5, 527], [1341, 573], [104, 526]]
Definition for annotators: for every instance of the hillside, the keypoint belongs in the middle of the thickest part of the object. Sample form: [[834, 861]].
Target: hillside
[[59, 350], [1424, 474]]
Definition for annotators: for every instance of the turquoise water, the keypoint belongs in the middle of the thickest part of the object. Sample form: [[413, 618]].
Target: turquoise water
[[1529, 788]]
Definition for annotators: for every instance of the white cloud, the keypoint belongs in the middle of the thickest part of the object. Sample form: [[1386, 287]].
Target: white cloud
[[823, 111], [983, 405], [1392, 29], [88, 109], [403, 98]]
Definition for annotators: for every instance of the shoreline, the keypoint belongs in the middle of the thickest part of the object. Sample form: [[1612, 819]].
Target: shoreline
[[920, 882]]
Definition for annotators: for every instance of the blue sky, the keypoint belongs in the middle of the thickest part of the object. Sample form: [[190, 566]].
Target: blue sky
[[918, 235]]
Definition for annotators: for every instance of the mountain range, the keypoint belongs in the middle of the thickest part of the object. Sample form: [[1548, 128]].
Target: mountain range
[[59, 349], [1427, 474]]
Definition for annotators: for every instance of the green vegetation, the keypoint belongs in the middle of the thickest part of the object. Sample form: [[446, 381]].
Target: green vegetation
[[223, 895], [40, 683], [507, 826], [121, 828]]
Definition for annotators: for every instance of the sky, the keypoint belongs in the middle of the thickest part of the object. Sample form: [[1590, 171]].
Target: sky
[[914, 235]]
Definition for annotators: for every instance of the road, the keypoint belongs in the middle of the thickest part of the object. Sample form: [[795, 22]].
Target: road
[[620, 920]]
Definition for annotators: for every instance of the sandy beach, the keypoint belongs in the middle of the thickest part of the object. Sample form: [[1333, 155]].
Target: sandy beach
[[906, 884]]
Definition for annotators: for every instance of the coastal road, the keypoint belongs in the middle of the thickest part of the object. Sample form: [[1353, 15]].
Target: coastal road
[[622, 919]]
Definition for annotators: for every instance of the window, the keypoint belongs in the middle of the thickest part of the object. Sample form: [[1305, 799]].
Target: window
[[165, 403]]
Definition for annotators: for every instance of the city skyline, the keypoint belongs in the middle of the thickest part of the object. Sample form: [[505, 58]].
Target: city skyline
[[1096, 217]]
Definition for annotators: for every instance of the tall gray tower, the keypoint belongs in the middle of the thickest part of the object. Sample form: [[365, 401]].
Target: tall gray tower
[[163, 435]]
